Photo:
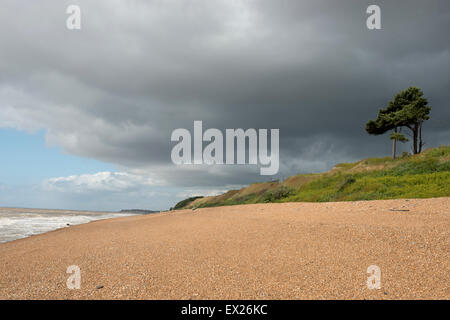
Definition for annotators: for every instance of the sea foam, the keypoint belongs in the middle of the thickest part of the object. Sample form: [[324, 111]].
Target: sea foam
[[16, 225]]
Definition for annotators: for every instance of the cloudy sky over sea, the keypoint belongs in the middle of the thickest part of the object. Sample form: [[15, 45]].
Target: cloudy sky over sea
[[86, 115]]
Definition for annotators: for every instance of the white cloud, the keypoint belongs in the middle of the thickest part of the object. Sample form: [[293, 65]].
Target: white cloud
[[101, 181]]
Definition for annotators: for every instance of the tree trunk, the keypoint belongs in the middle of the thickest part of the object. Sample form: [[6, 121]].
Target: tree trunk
[[420, 138], [415, 134], [394, 145]]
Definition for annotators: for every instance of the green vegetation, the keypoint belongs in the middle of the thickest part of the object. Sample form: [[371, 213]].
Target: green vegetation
[[278, 193], [423, 175], [185, 202]]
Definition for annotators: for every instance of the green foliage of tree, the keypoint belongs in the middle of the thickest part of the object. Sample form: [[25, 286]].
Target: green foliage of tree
[[398, 136], [409, 109]]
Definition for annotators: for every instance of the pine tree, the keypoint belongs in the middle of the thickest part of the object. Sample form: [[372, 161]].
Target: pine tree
[[408, 109]]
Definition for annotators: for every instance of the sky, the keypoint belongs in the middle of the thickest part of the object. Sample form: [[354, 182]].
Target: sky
[[86, 115]]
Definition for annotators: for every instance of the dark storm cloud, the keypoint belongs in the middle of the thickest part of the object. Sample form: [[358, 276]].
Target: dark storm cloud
[[137, 70]]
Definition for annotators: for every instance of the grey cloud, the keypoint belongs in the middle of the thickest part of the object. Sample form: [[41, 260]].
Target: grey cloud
[[139, 69]]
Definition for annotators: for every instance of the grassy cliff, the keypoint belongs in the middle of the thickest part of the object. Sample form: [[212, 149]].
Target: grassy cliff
[[423, 175]]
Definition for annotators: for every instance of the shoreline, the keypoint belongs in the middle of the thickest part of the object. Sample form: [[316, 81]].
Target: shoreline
[[62, 228], [18, 223], [260, 251]]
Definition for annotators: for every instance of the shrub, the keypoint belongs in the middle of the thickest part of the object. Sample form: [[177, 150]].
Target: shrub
[[185, 202], [347, 181], [278, 194]]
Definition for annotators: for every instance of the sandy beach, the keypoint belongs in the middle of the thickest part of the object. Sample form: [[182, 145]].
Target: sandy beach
[[263, 251]]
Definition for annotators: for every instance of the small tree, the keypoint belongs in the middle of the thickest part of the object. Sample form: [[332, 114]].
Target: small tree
[[408, 109], [396, 136]]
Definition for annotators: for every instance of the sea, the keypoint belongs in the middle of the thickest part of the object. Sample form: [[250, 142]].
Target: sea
[[21, 223]]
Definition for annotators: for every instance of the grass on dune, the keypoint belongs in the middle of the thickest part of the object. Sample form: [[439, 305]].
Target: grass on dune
[[424, 175]]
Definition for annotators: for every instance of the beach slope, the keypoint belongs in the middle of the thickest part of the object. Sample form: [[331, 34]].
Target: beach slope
[[261, 251]]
